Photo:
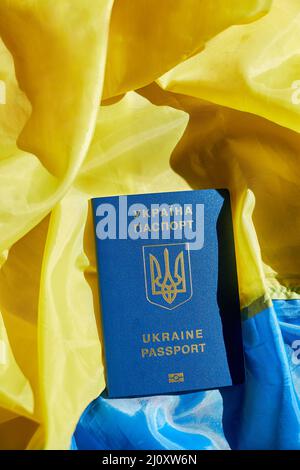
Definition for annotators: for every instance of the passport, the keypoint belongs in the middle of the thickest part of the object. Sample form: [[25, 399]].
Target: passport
[[168, 292]]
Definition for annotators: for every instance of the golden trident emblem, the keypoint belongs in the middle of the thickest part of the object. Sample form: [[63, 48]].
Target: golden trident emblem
[[168, 287]]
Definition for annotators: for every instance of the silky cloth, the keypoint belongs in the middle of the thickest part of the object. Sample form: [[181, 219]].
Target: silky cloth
[[261, 414], [130, 96]]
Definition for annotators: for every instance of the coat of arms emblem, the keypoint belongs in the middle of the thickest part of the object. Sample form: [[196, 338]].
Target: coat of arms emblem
[[168, 279]]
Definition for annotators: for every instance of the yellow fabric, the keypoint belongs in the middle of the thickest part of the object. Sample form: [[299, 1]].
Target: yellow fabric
[[258, 76], [224, 111], [149, 37]]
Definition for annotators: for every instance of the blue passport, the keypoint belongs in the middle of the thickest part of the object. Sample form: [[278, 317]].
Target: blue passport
[[168, 292]]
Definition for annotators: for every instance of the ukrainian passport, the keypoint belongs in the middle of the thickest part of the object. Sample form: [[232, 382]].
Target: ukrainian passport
[[168, 292]]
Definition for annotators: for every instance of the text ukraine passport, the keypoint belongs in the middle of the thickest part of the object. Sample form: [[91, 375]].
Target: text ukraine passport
[[168, 292]]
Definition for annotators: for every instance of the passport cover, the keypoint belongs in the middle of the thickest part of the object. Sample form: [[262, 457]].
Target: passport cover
[[170, 306]]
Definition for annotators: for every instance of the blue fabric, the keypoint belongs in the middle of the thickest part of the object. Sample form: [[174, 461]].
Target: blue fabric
[[264, 413]]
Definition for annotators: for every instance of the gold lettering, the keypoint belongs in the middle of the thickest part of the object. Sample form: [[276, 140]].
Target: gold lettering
[[189, 334], [145, 352], [174, 225], [165, 337], [177, 210], [146, 338], [172, 337], [155, 337]]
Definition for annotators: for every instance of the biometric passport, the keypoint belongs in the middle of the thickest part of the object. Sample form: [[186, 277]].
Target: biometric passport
[[168, 292]]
